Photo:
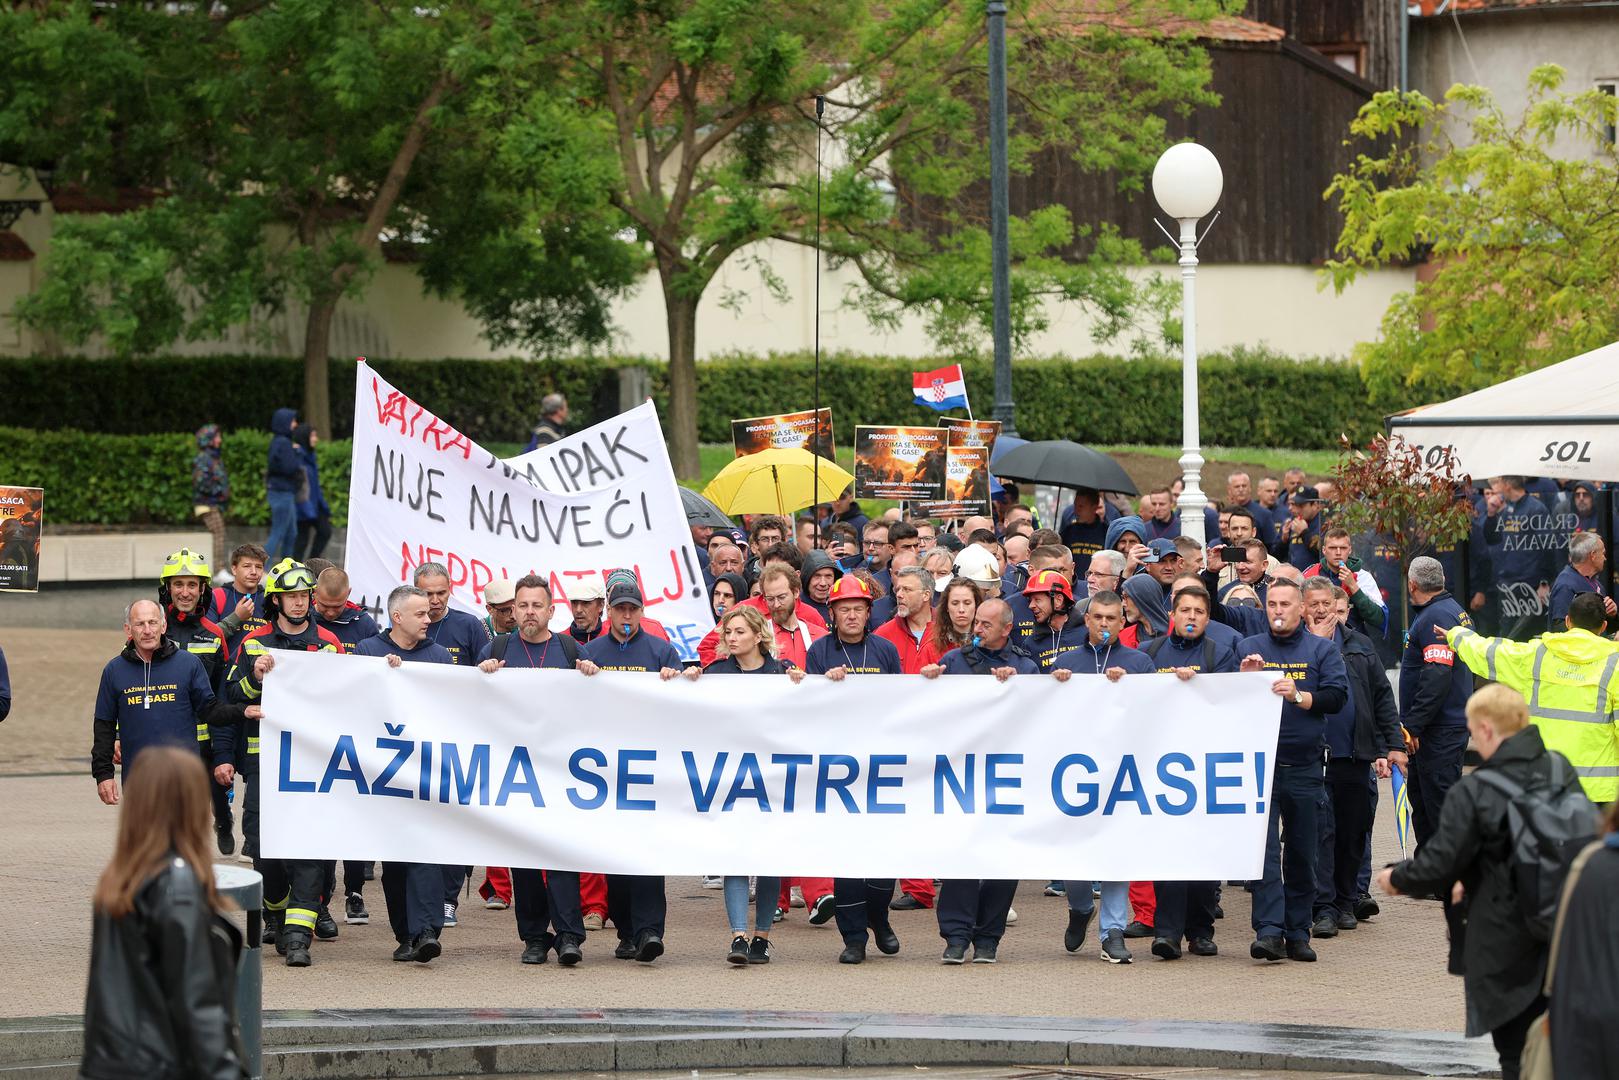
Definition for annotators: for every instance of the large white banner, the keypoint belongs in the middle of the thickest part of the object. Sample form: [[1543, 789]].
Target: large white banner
[[875, 776], [603, 499]]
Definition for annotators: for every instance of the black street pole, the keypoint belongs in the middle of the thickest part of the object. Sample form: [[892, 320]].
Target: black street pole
[[1000, 269]]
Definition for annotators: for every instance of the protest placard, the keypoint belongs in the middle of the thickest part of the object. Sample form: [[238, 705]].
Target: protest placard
[[971, 432], [1149, 778], [899, 462], [966, 484], [573, 511], [785, 431], [22, 516]]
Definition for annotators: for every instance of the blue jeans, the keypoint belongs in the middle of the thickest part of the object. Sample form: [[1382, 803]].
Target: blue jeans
[[283, 525], [736, 903], [1285, 896], [1115, 902]]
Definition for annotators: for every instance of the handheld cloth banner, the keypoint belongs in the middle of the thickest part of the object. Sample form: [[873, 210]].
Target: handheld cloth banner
[[596, 501], [1145, 779]]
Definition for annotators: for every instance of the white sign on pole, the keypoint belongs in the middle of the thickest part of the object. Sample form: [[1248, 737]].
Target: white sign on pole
[[600, 500]]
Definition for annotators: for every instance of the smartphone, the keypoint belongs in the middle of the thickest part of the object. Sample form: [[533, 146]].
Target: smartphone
[[1234, 553]]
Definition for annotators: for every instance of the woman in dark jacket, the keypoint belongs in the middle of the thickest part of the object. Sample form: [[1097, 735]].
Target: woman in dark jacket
[[1585, 981], [1503, 965], [162, 994], [314, 515]]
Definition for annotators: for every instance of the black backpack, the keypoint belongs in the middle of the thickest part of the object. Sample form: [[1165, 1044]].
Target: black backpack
[[502, 642], [1547, 826], [1154, 646]]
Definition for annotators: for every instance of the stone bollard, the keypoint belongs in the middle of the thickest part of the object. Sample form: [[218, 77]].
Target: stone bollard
[[245, 888]]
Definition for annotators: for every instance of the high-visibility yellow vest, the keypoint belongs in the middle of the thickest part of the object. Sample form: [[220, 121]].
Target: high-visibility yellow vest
[[1571, 681]]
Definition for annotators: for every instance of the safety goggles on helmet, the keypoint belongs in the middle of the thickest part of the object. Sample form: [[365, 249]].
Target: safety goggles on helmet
[[289, 577], [185, 563]]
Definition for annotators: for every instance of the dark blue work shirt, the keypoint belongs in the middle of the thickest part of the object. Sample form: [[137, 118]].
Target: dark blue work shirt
[[643, 652], [1044, 644], [981, 661], [426, 652], [1317, 668], [871, 655], [462, 634], [553, 652], [351, 627], [1090, 659]]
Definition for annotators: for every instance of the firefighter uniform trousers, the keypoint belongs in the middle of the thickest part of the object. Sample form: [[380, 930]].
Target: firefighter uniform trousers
[[292, 896], [974, 911], [862, 907], [636, 904], [547, 906]]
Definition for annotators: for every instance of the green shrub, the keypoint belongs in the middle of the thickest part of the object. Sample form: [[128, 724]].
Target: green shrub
[[1249, 397], [95, 479]]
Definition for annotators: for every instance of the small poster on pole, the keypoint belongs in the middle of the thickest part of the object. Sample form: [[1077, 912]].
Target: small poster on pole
[[899, 462], [22, 515], [809, 429]]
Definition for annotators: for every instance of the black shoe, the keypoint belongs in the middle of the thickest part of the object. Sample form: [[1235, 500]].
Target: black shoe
[[759, 951], [1137, 928], [984, 952], [295, 947], [536, 952], [1202, 947], [1326, 926], [1347, 921], [354, 912], [1219, 912], [1366, 908], [403, 952], [625, 950], [854, 952], [905, 902], [739, 951], [424, 947], [1165, 949], [325, 925], [1301, 951], [822, 910], [272, 928], [650, 948], [1267, 948], [887, 941], [1113, 950], [954, 953], [225, 838], [569, 953], [1078, 923]]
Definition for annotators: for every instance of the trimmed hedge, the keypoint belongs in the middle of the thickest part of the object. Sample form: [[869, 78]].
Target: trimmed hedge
[[1249, 397], [95, 479]]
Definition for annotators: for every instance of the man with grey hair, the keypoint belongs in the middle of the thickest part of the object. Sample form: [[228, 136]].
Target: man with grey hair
[[913, 612], [1434, 690], [1587, 555], [553, 422], [1104, 574], [462, 633]]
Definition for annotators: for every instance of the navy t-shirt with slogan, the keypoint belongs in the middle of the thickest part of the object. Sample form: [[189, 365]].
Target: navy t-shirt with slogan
[[160, 704], [550, 653], [462, 634], [872, 655]]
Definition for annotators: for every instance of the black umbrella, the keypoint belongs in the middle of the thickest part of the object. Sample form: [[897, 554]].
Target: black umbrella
[[1062, 463], [699, 511]]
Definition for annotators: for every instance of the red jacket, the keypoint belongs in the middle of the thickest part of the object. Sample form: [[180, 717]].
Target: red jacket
[[788, 647], [912, 655]]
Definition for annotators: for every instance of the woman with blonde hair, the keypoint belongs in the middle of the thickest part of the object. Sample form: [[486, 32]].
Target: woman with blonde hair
[[746, 648], [162, 995]]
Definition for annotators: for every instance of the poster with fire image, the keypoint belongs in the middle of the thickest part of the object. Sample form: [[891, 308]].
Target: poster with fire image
[[905, 463], [785, 431], [22, 515], [966, 484]]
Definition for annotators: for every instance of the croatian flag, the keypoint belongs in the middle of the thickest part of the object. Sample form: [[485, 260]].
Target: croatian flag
[[941, 389]]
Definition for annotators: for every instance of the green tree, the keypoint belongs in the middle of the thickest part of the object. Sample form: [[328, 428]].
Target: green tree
[[1524, 237], [279, 146], [711, 104]]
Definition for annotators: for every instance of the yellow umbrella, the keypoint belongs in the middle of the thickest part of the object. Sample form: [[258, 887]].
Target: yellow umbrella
[[776, 482]]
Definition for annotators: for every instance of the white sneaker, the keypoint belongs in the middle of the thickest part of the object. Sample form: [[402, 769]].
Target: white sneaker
[[593, 921], [1011, 916], [713, 881], [449, 915], [797, 896]]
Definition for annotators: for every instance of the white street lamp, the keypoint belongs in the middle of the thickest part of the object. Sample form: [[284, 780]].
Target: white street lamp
[[1187, 183]]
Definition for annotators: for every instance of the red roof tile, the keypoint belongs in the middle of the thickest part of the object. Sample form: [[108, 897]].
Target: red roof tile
[[14, 248]]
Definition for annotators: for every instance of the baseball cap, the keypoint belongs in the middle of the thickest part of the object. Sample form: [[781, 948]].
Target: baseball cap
[[625, 592], [1309, 493], [1161, 550], [499, 591]]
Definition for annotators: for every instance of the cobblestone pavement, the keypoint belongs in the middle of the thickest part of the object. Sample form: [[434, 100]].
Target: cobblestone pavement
[[56, 836]]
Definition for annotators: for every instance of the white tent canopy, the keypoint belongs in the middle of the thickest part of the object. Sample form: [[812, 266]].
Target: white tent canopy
[[1560, 421]]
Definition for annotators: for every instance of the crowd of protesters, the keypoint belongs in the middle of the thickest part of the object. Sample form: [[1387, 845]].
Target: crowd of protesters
[[835, 594]]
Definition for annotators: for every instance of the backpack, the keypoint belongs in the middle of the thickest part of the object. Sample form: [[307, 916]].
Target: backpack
[[1547, 826], [1154, 646], [502, 642]]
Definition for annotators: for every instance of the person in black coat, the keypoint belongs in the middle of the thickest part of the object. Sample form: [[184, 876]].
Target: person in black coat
[[1585, 980], [161, 999], [1502, 965]]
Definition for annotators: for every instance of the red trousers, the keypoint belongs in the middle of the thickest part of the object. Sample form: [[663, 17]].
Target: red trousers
[[1143, 904], [593, 894], [813, 888], [921, 889], [497, 881]]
